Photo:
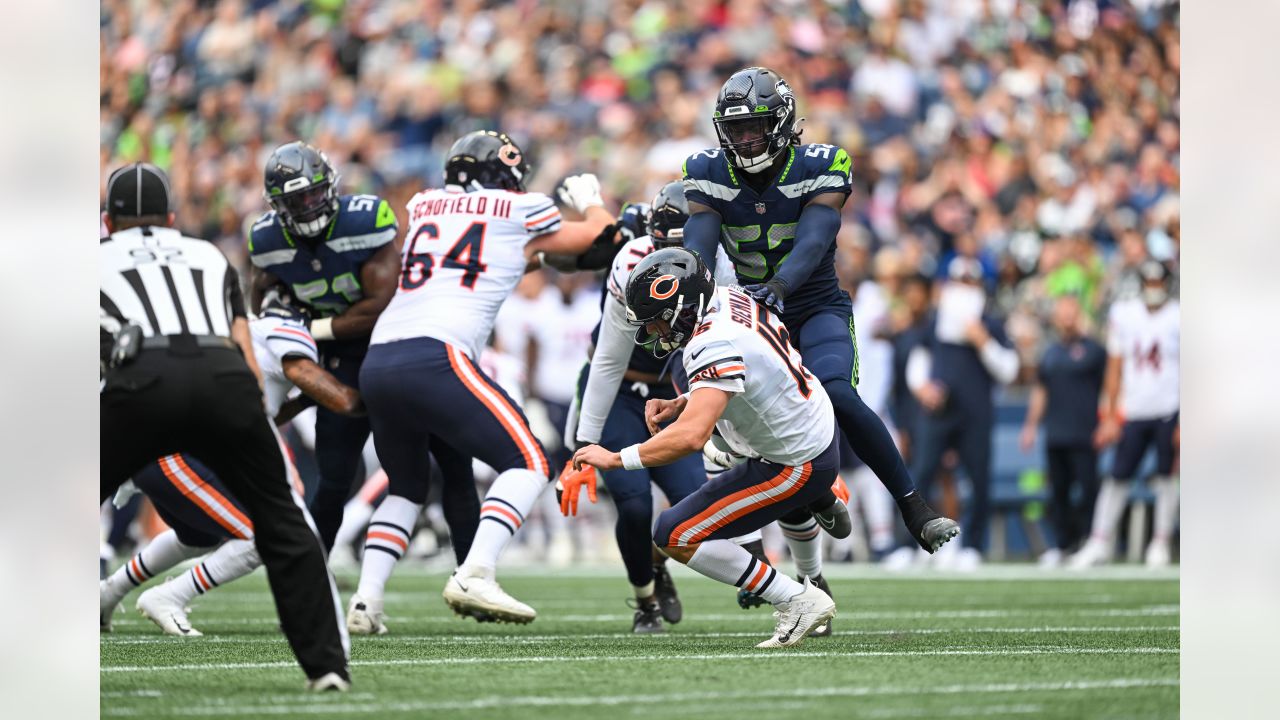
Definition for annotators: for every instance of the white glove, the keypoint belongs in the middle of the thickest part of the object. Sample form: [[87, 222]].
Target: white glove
[[723, 458], [580, 192], [124, 493]]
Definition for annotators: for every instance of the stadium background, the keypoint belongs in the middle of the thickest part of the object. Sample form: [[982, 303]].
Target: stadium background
[[1040, 137]]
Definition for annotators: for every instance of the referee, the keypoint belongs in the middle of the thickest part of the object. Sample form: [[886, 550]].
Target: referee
[[180, 377]]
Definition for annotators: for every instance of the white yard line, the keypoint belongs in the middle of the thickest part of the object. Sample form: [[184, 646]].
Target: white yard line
[[674, 635], [316, 706]]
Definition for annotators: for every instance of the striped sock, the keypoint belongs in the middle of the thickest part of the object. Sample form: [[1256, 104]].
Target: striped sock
[[805, 542], [510, 498], [725, 561], [232, 560], [385, 543], [163, 552]]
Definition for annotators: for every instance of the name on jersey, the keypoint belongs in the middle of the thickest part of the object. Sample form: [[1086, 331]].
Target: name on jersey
[[466, 203], [741, 309]]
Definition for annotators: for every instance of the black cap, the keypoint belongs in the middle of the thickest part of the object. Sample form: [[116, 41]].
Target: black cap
[[138, 190]]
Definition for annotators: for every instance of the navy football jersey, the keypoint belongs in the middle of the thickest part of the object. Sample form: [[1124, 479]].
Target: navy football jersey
[[758, 228], [325, 275]]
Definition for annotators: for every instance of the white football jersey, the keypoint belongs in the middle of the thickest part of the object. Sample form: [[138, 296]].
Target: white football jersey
[[778, 411], [275, 339], [1149, 343], [462, 257]]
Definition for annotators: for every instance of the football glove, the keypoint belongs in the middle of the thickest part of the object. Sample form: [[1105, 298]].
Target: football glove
[[570, 483], [769, 294], [721, 458], [602, 251], [580, 192]]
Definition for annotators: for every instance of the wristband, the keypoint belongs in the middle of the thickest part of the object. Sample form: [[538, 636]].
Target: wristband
[[322, 329], [631, 457]]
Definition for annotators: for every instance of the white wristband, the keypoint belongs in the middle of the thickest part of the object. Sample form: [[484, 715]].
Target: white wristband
[[322, 329], [631, 457]]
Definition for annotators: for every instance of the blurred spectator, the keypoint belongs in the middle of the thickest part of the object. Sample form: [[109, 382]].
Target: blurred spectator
[[1065, 398]]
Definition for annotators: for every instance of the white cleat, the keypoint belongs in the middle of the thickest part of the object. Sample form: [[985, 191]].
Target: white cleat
[[1093, 553], [799, 616], [106, 608], [476, 594], [1158, 554], [161, 608], [364, 617], [329, 682]]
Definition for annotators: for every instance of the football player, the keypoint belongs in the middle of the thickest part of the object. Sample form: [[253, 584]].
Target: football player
[[747, 382], [1141, 382], [336, 254], [467, 246], [774, 205]]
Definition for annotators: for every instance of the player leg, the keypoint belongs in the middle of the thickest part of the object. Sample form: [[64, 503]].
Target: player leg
[[355, 518], [339, 446], [1165, 487], [826, 343], [1113, 495], [458, 497], [974, 447], [677, 481], [804, 539], [696, 532]]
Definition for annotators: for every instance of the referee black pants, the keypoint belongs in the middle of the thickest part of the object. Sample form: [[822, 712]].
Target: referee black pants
[[207, 403]]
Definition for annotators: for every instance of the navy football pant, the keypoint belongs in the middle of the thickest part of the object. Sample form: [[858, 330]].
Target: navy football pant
[[826, 344], [746, 498], [632, 490], [339, 444], [1136, 437], [193, 502]]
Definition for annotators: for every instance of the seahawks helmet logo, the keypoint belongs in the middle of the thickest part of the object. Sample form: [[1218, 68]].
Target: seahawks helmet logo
[[658, 293]]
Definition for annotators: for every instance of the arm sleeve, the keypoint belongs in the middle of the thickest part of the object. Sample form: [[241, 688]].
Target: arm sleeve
[[541, 216], [716, 365], [998, 355], [919, 364], [702, 236], [234, 294], [608, 365], [814, 234], [1115, 331]]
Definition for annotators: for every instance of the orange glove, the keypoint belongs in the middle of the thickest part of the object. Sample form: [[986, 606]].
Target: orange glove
[[841, 490], [570, 483]]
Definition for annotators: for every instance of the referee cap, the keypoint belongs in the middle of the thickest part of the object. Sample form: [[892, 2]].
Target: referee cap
[[138, 190]]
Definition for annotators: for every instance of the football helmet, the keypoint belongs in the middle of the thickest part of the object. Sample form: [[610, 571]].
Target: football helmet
[[672, 288], [486, 159], [667, 216], [633, 221], [755, 118], [1155, 282], [302, 187]]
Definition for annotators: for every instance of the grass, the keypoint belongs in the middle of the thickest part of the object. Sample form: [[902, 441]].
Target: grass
[[1006, 642]]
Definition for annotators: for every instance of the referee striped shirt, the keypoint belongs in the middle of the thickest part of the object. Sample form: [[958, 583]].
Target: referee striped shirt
[[166, 283]]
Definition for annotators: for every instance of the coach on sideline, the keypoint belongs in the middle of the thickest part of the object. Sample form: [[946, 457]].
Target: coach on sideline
[[180, 377]]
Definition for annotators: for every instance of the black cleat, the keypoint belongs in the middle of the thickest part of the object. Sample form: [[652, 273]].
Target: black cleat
[[648, 618], [929, 529], [748, 600], [665, 588], [835, 521], [823, 630]]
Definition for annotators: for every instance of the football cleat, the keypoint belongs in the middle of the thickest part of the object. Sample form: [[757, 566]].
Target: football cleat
[[476, 594], [665, 588], [1093, 552], [329, 682], [1158, 555], [105, 610], [748, 600], [799, 616], [823, 630], [364, 617], [929, 529], [835, 520], [648, 619], [161, 608]]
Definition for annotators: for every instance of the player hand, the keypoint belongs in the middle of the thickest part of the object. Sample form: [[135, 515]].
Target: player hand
[[840, 489], [596, 457], [658, 411], [769, 294], [718, 457], [570, 483], [1027, 438], [932, 396], [580, 192], [1108, 433]]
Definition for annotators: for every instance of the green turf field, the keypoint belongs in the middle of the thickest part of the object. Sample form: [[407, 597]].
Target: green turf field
[[1007, 641]]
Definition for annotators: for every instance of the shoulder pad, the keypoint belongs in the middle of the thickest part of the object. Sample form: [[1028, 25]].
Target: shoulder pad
[[267, 243], [366, 213], [817, 168], [708, 177]]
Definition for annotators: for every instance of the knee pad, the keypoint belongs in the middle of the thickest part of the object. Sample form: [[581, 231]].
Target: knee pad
[[663, 528]]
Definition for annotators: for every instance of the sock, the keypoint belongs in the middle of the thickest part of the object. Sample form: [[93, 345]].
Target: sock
[[359, 509], [1113, 498], [1166, 512], [232, 560], [387, 541], [877, 508], [727, 562], [162, 553], [503, 511], [805, 541], [643, 592]]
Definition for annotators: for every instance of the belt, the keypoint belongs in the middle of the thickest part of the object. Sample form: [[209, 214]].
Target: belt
[[205, 341]]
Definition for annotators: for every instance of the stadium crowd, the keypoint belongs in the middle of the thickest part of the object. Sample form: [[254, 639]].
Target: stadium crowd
[[1040, 139]]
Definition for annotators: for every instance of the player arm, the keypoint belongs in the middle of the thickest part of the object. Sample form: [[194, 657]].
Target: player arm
[[240, 321], [608, 366], [1111, 386], [572, 238], [687, 435], [319, 385], [260, 281], [378, 281], [702, 233], [819, 223]]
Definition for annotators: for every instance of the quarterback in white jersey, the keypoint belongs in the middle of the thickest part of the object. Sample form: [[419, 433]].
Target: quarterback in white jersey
[[746, 381], [1141, 384], [467, 247]]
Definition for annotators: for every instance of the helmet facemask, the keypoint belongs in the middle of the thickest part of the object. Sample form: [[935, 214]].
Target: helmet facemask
[[675, 325], [308, 210]]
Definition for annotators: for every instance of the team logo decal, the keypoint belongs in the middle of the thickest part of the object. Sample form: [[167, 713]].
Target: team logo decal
[[657, 289], [509, 154]]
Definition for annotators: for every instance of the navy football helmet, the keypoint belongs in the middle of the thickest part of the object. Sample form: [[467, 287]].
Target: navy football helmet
[[755, 118], [667, 216], [302, 187]]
